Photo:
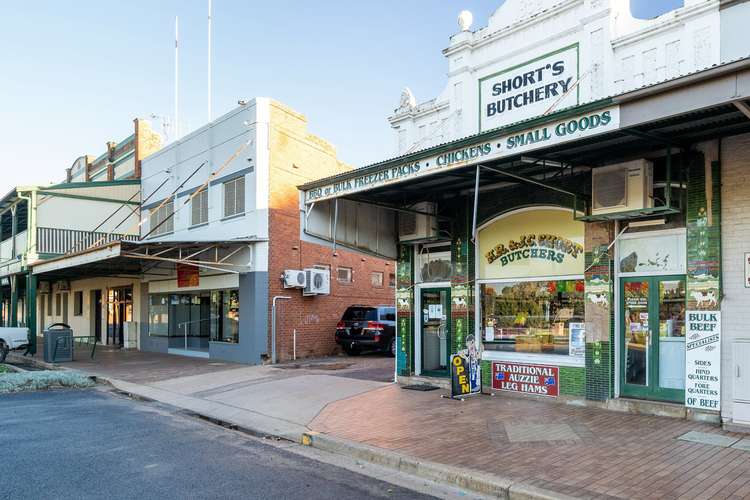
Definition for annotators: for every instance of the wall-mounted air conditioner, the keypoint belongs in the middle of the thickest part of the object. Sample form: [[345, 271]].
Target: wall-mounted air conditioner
[[294, 278], [418, 226], [622, 187], [318, 282]]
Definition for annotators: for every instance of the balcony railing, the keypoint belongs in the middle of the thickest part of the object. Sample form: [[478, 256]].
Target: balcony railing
[[55, 241]]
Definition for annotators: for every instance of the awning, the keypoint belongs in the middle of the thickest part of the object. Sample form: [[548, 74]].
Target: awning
[[135, 260], [672, 115]]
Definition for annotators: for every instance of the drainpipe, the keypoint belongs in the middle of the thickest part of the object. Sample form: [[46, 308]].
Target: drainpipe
[[273, 326], [13, 231]]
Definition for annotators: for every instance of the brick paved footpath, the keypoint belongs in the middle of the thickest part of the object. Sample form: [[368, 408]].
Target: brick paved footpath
[[583, 452]]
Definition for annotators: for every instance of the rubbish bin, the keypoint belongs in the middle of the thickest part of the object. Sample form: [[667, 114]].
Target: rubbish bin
[[58, 343]]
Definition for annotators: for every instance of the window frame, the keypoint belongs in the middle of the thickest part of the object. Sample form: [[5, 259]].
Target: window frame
[[381, 280], [159, 214], [78, 303], [236, 205], [522, 357], [202, 199], [348, 281]]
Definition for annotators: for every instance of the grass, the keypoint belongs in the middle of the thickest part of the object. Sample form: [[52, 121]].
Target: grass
[[36, 381]]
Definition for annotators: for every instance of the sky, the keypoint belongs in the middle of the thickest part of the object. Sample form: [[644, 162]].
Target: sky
[[74, 74]]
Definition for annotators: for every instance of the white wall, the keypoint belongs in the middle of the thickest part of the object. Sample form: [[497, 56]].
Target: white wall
[[735, 241], [616, 53], [214, 144], [86, 214], [81, 325]]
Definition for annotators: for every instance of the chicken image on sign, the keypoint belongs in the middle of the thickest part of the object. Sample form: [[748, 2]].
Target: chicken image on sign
[[542, 380]]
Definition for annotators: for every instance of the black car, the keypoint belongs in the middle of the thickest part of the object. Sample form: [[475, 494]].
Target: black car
[[367, 328]]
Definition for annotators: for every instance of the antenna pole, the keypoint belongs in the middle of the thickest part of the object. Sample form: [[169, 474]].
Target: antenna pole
[[176, 78], [209, 60]]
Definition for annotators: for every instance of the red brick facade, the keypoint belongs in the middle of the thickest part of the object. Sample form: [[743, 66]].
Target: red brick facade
[[297, 157]]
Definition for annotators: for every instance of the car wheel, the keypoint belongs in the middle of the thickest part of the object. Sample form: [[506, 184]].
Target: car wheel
[[392, 349], [4, 349]]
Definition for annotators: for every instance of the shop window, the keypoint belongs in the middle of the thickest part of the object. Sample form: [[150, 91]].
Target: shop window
[[234, 197], [344, 274], [58, 304], [392, 280], [541, 317], [225, 316], [199, 208], [158, 315], [376, 279], [161, 219], [433, 263], [77, 303]]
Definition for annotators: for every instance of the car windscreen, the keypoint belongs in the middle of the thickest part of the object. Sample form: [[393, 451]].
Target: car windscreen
[[361, 314]]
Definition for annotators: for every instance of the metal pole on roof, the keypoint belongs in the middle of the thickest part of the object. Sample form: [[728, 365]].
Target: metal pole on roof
[[335, 220], [476, 206], [209, 60], [176, 78]]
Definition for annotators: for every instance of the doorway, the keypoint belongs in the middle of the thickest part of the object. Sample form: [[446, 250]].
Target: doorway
[[119, 312], [96, 317], [652, 349], [435, 334]]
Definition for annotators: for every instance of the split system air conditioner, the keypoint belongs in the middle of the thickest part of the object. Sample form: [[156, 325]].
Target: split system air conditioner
[[318, 282], [415, 227], [622, 187], [294, 278]]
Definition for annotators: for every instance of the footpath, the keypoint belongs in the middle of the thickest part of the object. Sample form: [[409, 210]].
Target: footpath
[[504, 446]]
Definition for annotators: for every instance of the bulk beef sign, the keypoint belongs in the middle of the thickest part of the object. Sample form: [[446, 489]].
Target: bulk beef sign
[[703, 360], [530, 379]]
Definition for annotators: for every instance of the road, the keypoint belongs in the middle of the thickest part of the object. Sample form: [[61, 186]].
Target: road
[[92, 444]]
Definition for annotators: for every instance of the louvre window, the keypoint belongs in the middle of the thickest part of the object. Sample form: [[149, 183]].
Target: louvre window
[[161, 220], [344, 274], [199, 208], [234, 197]]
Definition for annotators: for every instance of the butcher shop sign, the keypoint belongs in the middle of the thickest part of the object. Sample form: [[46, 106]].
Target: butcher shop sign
[[703, 360], [542, 380]]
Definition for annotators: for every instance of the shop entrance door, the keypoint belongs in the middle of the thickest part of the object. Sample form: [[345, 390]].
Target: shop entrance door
[[435, 332], [652, 363], [119, 311]]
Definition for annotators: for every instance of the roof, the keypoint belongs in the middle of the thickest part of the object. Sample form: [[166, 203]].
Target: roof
[[631, 95]]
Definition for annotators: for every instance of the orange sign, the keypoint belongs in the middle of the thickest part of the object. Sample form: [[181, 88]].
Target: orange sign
[[187, 276]]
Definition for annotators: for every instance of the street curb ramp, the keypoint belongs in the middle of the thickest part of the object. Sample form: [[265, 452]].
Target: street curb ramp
[[480, 482]]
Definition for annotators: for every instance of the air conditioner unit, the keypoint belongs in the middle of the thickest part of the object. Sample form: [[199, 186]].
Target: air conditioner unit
[[418, 226], [318, 282], [294, 278], [622, 187]]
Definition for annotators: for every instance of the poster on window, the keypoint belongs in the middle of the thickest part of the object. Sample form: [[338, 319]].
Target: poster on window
[[703, 360], [577, 339]]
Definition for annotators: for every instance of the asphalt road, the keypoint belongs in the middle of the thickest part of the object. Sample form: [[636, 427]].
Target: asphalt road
[[91, 444]]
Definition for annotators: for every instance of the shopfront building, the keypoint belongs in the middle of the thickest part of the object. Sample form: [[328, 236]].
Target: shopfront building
[[581, 251]]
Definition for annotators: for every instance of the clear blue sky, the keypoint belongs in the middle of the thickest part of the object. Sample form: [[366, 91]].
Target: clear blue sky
[[74, 74]]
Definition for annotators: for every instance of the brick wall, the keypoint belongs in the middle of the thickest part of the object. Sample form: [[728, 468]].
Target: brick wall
[[297, 157], [735, 242]]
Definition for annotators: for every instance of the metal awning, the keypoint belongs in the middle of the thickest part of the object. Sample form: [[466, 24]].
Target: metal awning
[[135, 260], [670, 116]]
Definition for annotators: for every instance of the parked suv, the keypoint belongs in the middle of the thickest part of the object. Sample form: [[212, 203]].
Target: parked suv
[[367, 328]]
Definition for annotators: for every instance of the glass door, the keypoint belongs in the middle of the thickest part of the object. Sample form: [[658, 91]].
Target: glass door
[[653, 337], [435, 305]]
